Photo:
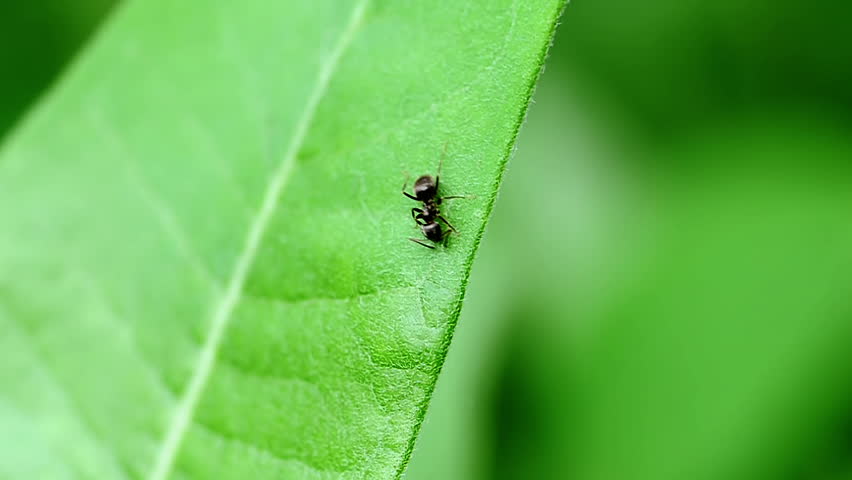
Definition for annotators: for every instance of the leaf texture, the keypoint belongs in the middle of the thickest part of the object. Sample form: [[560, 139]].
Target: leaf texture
[[204, 270]]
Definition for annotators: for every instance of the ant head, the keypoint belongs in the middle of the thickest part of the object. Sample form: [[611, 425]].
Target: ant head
[[425, 188]]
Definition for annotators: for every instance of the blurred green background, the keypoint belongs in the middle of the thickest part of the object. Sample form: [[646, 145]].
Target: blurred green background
[[664, 289]]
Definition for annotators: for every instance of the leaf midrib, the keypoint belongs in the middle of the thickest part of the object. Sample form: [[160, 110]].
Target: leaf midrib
[[184, 413]]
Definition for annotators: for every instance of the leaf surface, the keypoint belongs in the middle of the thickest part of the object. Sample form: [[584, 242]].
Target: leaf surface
[[204, 270]]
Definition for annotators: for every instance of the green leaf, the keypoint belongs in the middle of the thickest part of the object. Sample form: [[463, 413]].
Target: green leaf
[[204, 265]]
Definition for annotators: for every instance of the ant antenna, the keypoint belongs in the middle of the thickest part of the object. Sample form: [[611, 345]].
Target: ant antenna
[[441, 161]]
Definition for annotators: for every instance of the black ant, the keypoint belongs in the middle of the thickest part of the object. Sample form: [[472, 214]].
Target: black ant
[[426, 191]]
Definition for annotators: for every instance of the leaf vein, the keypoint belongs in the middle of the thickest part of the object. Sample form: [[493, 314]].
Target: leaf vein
[[131, 338], [185, 410], [49, 374], [448, 99], [153, 200], [264, 451]]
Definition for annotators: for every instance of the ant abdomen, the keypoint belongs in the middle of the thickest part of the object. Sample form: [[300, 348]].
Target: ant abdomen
[[433, 231]]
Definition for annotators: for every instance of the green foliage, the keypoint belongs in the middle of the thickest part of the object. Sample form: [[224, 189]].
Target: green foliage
[[205, 271], [36, 39], [676, 311]]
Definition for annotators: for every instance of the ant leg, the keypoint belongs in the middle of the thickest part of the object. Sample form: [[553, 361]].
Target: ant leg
[[441, 218], [417, 214], [405, 184], [421, 243], [444, 241]]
